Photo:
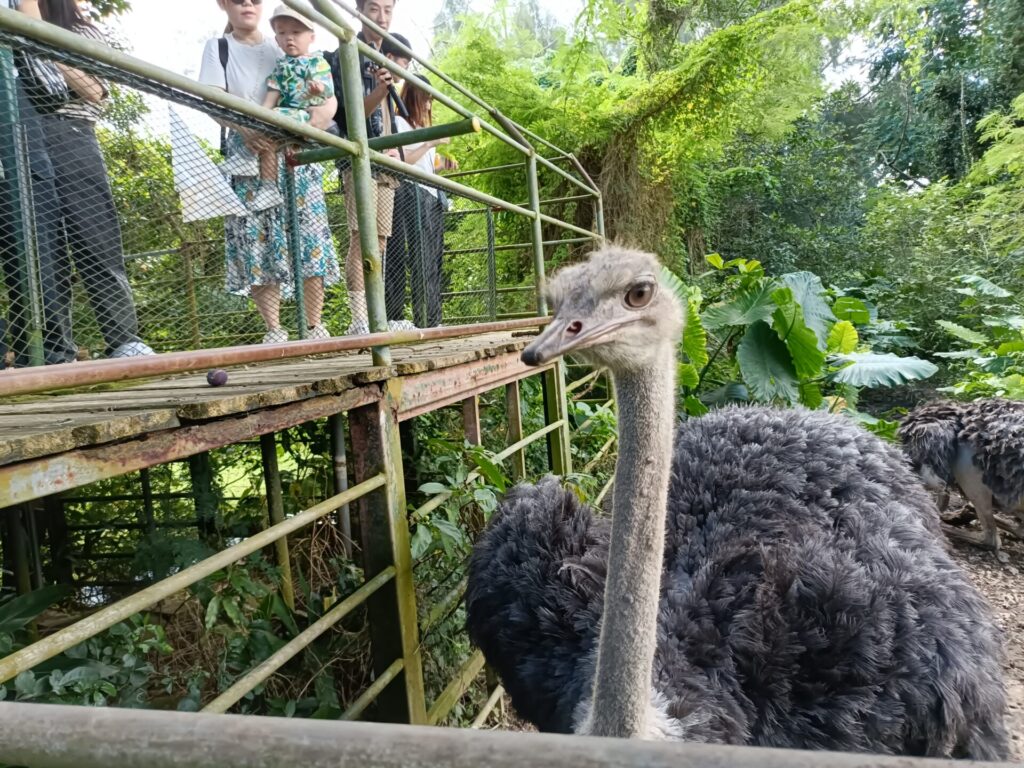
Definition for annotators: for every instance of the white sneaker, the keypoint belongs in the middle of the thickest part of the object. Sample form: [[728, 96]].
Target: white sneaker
[[317, 332], [242, 164], [132, 349], [275, 336], [402, 325], [358, 328], [267, 196]]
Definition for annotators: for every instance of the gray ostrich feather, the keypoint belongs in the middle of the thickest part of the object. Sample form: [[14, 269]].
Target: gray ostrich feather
[[804, 595]]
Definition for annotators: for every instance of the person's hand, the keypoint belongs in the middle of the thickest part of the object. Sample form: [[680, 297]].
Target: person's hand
[[393, 153], [256, 141], [384, 77], [314, 87]]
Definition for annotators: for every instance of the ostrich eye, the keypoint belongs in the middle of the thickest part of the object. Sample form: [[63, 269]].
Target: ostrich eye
[[640, 295]]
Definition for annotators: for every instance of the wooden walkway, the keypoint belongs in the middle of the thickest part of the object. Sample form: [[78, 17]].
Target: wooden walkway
[[52, 443]]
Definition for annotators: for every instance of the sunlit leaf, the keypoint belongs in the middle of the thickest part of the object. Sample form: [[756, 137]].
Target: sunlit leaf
[[874, 370], [802, 343], [843, 337], [809, 293], [964, 334], [854, 310]]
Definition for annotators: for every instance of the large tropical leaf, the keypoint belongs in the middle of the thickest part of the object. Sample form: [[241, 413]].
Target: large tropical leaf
[[866, 369], [985, 287], [964, 334], [766, 365], [750, 306], [843, 338], [854, 310], [688, 376], [810, 395], [17, 612], [809, 293], [802, 343], [695, 339]]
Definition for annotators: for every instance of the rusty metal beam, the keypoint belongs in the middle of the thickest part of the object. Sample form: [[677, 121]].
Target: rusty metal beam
[[424, 392], [21, 381], [47, 736], [38, 478]]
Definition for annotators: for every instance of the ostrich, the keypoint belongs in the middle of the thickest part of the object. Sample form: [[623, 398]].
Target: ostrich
[[774, 577], [977, 447]]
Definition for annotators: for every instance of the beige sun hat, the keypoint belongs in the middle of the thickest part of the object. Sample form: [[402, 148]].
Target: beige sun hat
[[284, 10]]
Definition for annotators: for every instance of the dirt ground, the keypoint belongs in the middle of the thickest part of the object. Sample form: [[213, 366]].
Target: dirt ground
[[1001, 580]]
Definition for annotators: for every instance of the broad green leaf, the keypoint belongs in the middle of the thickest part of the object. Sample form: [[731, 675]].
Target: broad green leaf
[[867, 369], [1010, 347], [695, 339], [854, 310], [715, 260], [688, 376], [234, 612], [422, 539], [985, 287], [843, 338], [491, 471], [17, 612], [212, 610], [810, 395], [964, 334], [748, 307], [433, 488], [694, 407], [809, 293], [671, 281], [802, 343], [766, 365]]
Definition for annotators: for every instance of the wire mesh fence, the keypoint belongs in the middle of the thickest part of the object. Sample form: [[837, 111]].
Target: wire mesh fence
[[126, 230]]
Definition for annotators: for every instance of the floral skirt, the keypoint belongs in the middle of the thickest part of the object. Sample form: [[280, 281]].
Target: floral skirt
[[256, 245]]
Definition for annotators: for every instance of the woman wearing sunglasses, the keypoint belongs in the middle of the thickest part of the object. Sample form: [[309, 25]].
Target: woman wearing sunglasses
[[256, 249]]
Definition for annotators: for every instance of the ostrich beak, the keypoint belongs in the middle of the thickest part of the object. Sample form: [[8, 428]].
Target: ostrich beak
[[564, 335]]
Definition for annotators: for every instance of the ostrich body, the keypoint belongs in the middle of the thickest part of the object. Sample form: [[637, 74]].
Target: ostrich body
[[977, 447], [773, 578]]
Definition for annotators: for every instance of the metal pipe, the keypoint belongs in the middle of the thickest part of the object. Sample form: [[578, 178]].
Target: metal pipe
[[444, 606], [275, 513], [295, 250], [13, 665], [49, 736], [21, 381], [260, 674], [566, 175], [599, 455], [450, 696], [519, 246], [538, 235], [370, 694], [365, 189], [88, 49], [339, 465], [478, 171], [488, 707], [404, 139], [492, 269]]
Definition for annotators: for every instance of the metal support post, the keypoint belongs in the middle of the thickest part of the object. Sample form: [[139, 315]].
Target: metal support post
[[394, 631], [16, 195], [538, 233], [275, 511], [471, 420], [492, 269], [366, 195], [599, 216], [339, 462], [295, 249], [513, 409], [201, 472]]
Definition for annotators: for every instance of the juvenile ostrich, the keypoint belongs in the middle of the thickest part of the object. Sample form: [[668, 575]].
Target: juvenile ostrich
[[776, 578], [977, 447]]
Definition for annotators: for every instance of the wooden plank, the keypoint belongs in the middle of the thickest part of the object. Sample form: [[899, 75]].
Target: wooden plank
[[68, 434], [46, 475], [435, 389]]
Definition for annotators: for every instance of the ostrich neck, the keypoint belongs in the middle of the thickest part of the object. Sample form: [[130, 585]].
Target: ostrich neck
[[622, 686]]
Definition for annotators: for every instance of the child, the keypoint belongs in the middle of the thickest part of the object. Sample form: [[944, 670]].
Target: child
[[299, 81]]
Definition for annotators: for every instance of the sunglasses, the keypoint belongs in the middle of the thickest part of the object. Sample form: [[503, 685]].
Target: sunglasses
[[242, 2]]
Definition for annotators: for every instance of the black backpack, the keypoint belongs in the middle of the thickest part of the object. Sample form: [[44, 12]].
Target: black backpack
[[222, 46]]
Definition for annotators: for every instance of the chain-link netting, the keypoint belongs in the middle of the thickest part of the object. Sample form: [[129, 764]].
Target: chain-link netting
[[128, 226]]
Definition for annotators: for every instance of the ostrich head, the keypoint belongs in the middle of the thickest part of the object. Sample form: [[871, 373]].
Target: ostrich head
[[612, 310]]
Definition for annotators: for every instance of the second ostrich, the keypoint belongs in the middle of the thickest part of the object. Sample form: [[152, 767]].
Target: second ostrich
[[771, 577], [977, 447]]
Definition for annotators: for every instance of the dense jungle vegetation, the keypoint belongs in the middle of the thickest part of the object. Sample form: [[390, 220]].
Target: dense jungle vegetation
[[837, 189]]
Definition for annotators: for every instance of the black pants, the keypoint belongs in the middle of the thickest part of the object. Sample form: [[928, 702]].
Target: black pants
[[91, 234], [39, 224], [415, 248]]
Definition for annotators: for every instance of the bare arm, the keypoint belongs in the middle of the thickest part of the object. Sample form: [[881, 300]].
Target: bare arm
[[86, 86], [31, 8], [323, 115], [412, 156]]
